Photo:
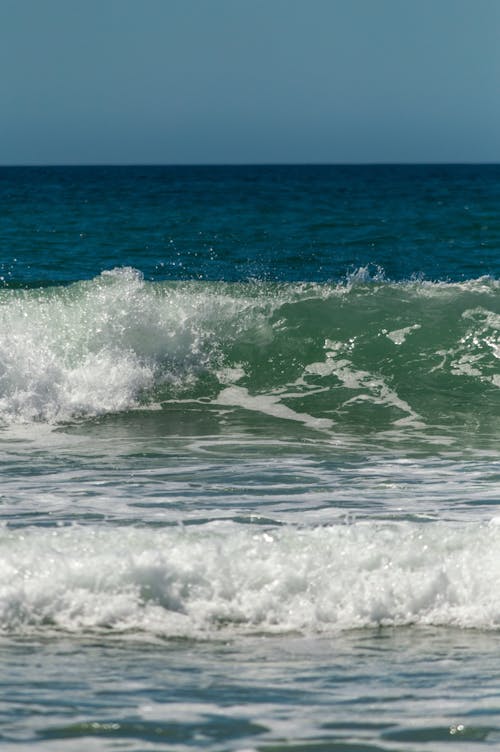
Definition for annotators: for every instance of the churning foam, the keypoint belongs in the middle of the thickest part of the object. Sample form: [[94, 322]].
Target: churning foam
[[97, 347], [225, 578], [63, 353]]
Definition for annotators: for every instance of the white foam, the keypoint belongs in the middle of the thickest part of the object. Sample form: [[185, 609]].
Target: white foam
[[228, 578], [268, 404], [471, 356], [97, 347], [372, 387], [398, 336]]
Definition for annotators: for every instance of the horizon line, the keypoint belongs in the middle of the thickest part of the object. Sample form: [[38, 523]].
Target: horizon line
[[250, 164]]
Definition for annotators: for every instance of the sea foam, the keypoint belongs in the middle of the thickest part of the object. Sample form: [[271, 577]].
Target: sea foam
[[99, 346], [220, 579]]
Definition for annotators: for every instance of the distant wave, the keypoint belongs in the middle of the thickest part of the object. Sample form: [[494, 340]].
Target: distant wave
[[366, 352], [225, 578]]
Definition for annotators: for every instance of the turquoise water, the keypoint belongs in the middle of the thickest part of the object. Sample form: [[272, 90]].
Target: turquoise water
[[249, 449]]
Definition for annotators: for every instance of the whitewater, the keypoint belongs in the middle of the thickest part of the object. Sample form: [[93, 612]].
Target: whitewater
[[222, 579]]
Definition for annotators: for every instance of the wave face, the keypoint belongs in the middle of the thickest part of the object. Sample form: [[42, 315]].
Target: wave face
[[222, 578], [366, 353]]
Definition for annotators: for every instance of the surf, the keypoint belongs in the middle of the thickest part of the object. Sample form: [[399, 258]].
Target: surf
[[365, 352], [221, 579]]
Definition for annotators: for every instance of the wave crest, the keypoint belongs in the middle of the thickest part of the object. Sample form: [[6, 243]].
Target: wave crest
[[368, 352]]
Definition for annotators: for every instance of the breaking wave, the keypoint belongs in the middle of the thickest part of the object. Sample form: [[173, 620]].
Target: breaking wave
[[366, 352]]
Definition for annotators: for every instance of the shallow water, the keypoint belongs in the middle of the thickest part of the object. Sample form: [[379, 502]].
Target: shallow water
[[385, 689]]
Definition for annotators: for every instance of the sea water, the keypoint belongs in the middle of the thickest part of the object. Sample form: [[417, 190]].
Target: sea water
[[250, 479]]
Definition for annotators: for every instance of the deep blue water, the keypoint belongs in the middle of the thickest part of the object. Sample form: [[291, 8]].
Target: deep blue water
[[234, 223], [249, 423]]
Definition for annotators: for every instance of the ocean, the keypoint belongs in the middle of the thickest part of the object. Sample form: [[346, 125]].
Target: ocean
[[250, 478]]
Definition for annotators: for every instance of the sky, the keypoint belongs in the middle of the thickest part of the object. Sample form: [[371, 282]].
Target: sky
[[249, 81]]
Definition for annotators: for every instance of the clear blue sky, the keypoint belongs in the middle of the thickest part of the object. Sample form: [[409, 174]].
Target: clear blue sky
[[242, 81]]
